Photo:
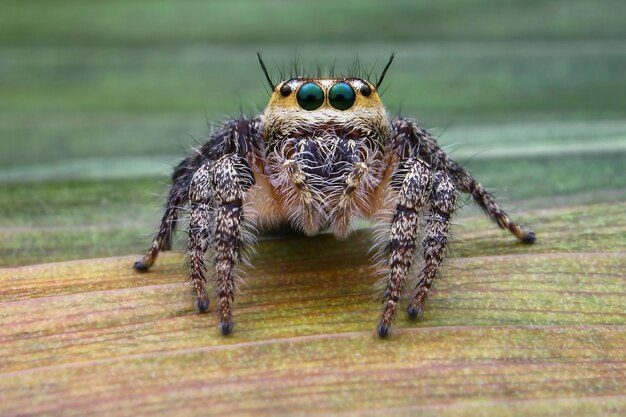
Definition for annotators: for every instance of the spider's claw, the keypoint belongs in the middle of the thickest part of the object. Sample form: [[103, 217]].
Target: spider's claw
[[141, 266], [202, 304], [226, 327], [414, 311], [529, 237]]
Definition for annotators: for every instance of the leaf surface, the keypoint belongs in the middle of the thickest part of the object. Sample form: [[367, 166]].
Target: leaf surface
[[538, 329]]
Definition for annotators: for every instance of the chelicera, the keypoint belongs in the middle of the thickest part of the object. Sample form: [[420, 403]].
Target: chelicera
[[323, 154]]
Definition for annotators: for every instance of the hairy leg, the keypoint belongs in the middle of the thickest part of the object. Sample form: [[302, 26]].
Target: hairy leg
[[435, 239], [229, 186], [200, 232], [412, 140], [413, 195], [163, 238], [178, 197], [216, 193], [237, 137]]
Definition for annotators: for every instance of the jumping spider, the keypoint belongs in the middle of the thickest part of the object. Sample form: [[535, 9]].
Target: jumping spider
[[323, 154]]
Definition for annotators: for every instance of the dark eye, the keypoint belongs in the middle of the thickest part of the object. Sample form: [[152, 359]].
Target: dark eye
[[341, 96], [310, 96], [285, 90], [365, 90]]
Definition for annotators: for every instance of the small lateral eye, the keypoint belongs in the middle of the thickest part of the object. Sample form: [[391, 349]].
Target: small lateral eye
[[365, 90], [285, 90], [341, 96], [310, 96]]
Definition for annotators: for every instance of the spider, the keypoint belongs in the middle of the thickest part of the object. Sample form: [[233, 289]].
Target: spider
[[323, 154]]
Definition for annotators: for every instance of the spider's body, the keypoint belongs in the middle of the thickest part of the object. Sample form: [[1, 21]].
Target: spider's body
[[323, 154], [319, 151]]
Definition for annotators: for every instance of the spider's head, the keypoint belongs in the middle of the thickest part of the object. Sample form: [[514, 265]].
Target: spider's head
[[324, 110], [306, 107], [324, 94]]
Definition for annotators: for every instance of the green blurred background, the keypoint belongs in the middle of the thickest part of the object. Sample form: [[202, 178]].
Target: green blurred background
[[98, 100]]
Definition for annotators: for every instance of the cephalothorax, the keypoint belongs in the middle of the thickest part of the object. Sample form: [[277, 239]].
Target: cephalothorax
[[323, 154]]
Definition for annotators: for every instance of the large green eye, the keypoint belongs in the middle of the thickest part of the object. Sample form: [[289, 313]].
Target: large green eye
[[341, 96], [310, 96]]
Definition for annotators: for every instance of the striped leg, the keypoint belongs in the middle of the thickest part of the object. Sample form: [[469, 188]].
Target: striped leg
[[216, 195], [163, 239], [412, 140], [413, 196], [200, 225], [178, 197], [487, 202], [436, 237], [229, 186]]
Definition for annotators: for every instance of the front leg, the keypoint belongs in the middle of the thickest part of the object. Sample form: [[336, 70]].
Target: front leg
[[415, 177], [217, 193], [200, 232], [231, 180], [437, 225]]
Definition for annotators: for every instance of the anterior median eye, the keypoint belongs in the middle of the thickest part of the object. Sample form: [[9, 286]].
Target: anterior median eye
[[310, 96], [341, 96]]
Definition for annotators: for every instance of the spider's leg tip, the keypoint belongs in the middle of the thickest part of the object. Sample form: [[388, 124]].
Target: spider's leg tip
[[141, 266], [383, 329], [529, 237], [202, 305], [414, 312], [226, 327]]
